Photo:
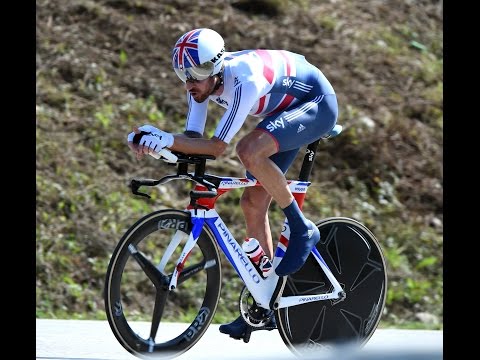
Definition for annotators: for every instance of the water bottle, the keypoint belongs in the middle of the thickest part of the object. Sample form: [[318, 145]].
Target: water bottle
[[260, 260]]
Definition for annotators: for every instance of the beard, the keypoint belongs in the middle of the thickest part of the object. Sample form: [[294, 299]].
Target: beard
[[201, 97]]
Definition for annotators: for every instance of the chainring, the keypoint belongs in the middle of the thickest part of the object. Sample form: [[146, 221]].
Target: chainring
[[253, 314]]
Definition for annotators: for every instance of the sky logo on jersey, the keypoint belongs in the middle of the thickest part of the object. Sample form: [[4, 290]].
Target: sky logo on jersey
[[287, 82], [274, 125]]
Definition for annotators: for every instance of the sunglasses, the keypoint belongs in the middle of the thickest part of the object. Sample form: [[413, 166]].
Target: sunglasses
[[197, 73]]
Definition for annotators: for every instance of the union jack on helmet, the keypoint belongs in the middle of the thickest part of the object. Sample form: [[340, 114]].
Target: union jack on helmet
[[198, 54]]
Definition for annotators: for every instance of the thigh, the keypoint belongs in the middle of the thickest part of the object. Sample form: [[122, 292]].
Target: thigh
[[256, 198], [282, 159], [303, 124]]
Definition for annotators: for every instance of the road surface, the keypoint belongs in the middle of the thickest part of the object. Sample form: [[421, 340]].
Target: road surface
[[93, 340]]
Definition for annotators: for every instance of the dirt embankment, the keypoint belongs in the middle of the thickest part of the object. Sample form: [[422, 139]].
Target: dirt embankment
[[103, 66]]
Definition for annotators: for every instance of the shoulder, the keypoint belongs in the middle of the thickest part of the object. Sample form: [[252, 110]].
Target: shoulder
[[243, 65]]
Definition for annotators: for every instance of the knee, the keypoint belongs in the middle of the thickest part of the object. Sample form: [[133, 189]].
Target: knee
[[247, 202], [250, 152], [245, 152], [254, 148], [254, 202]]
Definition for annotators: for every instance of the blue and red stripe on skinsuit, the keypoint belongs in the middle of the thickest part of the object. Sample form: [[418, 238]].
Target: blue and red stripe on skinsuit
[[268, 73], [287, 99]]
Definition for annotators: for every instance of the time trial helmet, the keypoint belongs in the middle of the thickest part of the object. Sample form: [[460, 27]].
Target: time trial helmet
[[198, 54]]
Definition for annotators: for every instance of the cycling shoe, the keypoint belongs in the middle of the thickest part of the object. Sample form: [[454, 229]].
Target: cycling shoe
[[239, 329], [298, 249]]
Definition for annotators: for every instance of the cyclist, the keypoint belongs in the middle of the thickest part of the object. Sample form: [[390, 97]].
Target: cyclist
[[297, 105]]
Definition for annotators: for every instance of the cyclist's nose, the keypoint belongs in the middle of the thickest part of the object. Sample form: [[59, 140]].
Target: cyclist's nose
[[189, 85]]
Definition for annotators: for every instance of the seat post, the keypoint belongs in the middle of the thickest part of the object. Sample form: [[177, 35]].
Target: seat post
[[311, 151], [308, 161]]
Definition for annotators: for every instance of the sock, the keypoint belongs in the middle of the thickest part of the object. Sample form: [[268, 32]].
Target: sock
[[296, 220]]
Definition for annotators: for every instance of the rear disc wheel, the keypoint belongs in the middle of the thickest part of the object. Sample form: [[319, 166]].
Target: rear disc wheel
[[355, 258]]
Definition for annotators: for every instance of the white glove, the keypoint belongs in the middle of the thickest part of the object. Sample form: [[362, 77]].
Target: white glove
[[151, 137]]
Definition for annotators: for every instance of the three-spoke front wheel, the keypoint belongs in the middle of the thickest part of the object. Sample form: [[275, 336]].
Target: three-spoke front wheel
[[137, 296]]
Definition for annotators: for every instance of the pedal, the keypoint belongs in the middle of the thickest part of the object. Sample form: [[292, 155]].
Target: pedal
[[247, 334], [269, 328]]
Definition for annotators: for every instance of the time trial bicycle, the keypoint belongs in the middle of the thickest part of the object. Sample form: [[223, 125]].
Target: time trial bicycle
[[170, 259]]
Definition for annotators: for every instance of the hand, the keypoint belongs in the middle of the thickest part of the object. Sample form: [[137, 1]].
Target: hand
[[147, 139]]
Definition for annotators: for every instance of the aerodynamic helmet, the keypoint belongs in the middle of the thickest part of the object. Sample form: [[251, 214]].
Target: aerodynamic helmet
[[198, 54]]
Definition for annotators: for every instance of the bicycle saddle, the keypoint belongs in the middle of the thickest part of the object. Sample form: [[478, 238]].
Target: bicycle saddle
[[337, 129]]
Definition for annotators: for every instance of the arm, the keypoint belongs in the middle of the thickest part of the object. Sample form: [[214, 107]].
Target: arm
[[246, 95], [196, 116], [188, 145], [191, 141]]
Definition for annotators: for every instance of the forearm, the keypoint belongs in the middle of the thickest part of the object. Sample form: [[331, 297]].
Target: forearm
[[188, 145]]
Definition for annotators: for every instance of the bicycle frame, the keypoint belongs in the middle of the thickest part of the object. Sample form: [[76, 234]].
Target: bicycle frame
[[261, 289]]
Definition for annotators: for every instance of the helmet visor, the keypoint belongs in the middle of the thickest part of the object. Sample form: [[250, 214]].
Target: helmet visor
[[196, 73]]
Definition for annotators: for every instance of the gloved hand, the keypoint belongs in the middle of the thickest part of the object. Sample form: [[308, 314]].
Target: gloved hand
[[148, 138]]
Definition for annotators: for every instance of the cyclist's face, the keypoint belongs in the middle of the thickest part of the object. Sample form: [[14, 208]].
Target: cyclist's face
[[200, 89]]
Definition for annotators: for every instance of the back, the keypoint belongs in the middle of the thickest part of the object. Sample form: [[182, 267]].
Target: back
[[283, 78]]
